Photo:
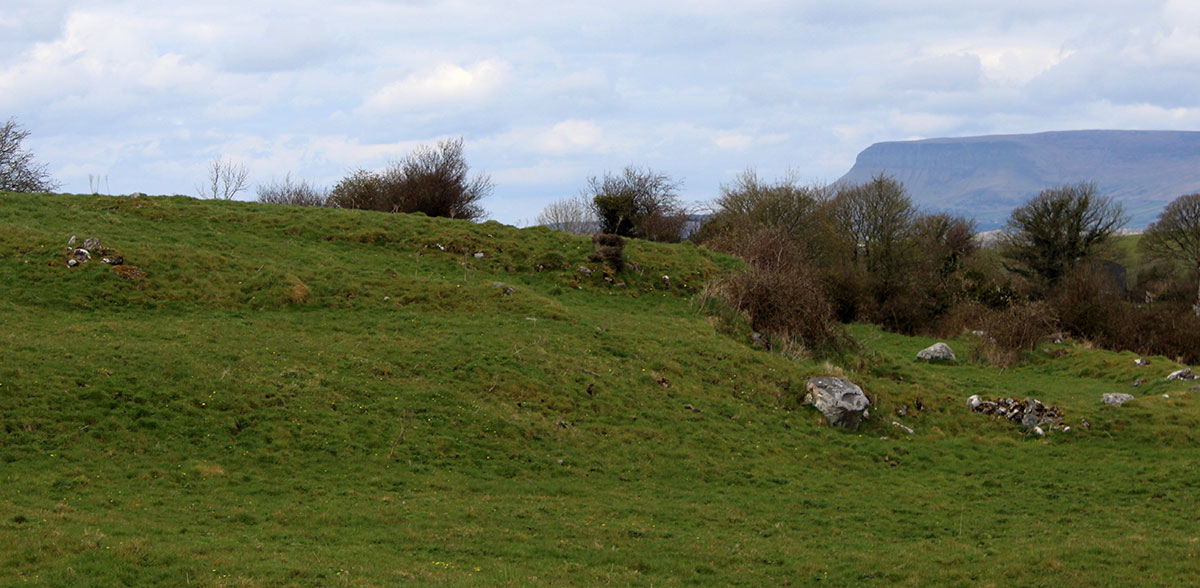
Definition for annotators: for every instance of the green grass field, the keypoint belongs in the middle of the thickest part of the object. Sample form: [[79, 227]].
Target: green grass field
[[319, 397]]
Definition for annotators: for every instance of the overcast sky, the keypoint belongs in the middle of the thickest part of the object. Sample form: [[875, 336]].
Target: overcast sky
[[545, 94]]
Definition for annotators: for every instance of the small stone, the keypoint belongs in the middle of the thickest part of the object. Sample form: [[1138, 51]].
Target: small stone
[[559, 462], [478, 255], [974, 402], [91, 244], [72, 262], [1139, 382], [71, 241], [1168, 396], [585, 270], [902, 427], [1141, 362], [666, 280], [1116, 398], [1039, 432], [81, 255]]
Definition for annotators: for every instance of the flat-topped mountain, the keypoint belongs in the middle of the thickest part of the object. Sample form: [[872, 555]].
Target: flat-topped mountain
[[986, 177]]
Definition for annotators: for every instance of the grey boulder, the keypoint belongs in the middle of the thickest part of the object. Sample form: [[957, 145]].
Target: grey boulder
[[1116, 398], [841, 401], [935, 352]]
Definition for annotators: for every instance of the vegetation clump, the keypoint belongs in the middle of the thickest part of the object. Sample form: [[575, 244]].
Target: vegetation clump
[[435, 181]]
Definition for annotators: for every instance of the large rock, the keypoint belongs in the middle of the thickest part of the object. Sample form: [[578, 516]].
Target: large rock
[[841, 401], [937, 351]]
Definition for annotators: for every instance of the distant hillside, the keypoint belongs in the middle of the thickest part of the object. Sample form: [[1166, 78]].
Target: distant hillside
[[986, 177]]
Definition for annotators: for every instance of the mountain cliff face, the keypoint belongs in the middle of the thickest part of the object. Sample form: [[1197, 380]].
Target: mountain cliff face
[[986, 177]]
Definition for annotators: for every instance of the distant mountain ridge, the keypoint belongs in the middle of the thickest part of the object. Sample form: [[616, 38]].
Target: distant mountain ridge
[[986, 177]]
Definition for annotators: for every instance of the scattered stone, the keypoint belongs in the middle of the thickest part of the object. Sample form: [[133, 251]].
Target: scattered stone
[[841, 401], [1116, 398], [118, 260], [666, 280], [1038, 431], [478, 255], [505, 289], [1194, 388], [91, 243], [901, 411], [1141, 362], [1029, 413], [81, 255], [665, 383], [1183, 374], [583, 269], [71, 241], [937, 352], [72, 262], [1139, 382], [1167, 396], [1085, 424], [559, 461], [902, 427], [759, 340]]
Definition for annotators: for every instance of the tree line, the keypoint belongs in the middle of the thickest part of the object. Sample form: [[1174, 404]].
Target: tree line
[[820, 256]]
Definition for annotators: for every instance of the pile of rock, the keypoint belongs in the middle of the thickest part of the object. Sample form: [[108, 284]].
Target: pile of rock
[[1029, 413], [77, 256]]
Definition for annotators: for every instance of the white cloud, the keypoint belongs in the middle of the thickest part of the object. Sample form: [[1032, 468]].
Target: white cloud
[[446, 85]]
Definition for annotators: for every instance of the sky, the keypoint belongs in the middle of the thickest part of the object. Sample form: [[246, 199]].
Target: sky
[[139, 96]]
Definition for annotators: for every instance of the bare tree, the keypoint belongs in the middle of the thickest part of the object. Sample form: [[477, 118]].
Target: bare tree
[[225, 180], [1176, 235], [18, 170], [571, 215]]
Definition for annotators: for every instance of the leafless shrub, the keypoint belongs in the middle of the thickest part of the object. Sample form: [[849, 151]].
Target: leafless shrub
[[292, 193], [430, 180]]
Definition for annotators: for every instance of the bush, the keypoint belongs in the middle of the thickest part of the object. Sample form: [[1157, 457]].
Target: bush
[[295, 194], [432, 181], [778, 292], [609, 251], [638, 203], [1009, 331]]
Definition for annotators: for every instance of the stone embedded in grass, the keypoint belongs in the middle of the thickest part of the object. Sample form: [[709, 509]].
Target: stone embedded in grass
[[1116, 398], [1183, 374], [129, 272], [91, 243], [81, 255], [841, 401], [1141, 362], [1139, 382], [937, 352]]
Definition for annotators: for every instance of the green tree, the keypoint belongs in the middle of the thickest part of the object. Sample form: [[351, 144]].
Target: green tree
[[18, 170], [1058, 228], [1176, 235]]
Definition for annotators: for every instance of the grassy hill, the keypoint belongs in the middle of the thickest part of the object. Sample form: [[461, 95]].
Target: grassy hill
[[324, 397]]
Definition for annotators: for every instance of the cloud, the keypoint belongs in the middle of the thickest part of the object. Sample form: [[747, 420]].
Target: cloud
[[446, 85]]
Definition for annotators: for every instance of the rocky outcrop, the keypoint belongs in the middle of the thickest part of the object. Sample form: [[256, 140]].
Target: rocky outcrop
[[841, 401]]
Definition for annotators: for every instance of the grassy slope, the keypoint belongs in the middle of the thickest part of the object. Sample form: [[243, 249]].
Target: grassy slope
[[317, 397]]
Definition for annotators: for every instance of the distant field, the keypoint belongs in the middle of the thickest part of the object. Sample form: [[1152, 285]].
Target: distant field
[[321, 397]]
